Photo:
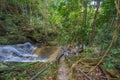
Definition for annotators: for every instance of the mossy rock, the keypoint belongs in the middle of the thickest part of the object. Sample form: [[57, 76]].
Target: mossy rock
[[112, 72], [13, 39], [52, 43], [3, 66], [4, 40]]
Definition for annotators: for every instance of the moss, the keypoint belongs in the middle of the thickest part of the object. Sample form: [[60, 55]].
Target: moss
[[24, 71], [12, 39]]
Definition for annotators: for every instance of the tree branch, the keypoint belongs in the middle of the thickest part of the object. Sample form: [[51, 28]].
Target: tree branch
[[38, 74], [117, 6]]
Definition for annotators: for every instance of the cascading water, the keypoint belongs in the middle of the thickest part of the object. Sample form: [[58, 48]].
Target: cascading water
[[19, 53]]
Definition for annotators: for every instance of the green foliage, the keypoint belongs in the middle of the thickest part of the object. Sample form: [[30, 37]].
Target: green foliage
[[24, 71], [90, 52], [72, 21], [106, 25], [68, 16], [4, 41], [25, 18]]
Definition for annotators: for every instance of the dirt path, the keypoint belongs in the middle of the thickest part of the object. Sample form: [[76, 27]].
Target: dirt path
[[62, 70]]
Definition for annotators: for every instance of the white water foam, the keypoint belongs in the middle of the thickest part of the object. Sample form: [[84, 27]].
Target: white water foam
[[19, 53]]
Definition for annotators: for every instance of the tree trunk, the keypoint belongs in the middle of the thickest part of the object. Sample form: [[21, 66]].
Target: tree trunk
[[92, 33]]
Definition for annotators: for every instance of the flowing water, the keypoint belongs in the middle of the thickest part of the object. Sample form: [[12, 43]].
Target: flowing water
[[19, 53], [25, 53]]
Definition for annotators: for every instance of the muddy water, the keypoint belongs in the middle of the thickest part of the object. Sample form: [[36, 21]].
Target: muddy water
[[49, 52]]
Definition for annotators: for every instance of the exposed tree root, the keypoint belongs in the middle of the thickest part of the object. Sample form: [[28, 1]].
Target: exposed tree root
[[86, 61], [38, 74]]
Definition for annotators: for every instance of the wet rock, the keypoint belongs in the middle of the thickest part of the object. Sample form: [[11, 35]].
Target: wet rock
[[3, 66], [26, 46]]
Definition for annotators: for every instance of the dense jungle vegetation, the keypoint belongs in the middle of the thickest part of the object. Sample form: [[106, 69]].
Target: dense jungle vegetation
[[93, 23]]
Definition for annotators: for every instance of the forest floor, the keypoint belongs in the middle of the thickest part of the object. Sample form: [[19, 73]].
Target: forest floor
[[62, 70], [81, 71], [75, 68]]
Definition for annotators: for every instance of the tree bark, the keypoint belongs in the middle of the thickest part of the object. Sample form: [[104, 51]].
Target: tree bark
[[92, 34]]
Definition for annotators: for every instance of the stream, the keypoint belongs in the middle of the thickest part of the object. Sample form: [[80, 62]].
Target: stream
[[19, 53], [26, 52]]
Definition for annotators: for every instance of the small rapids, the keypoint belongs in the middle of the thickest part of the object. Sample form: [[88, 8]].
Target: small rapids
[[19, 53]]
